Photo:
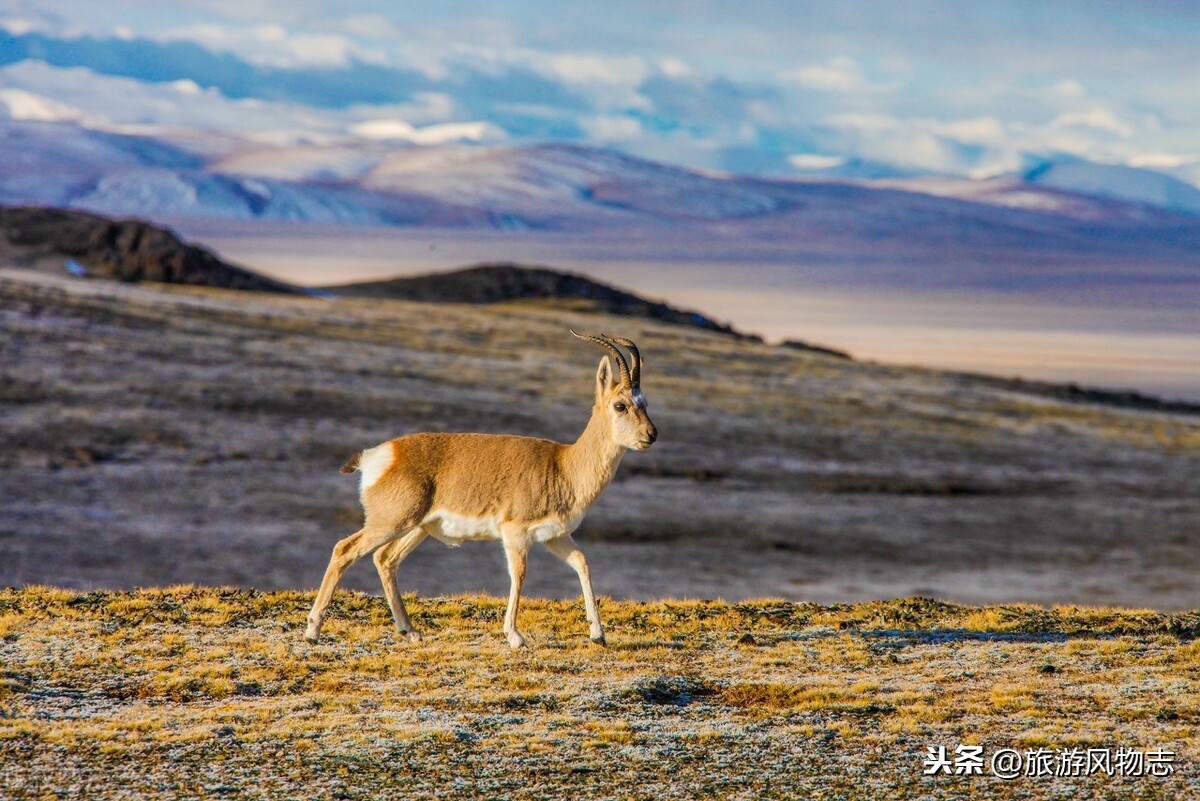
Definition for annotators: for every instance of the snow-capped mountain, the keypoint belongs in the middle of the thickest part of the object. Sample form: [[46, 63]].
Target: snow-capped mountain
[[184, 172], [1117, 181]]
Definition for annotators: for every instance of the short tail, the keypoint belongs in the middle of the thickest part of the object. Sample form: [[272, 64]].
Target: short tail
[[351, 464]]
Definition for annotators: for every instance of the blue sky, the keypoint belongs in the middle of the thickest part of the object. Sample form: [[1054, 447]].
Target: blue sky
[[771, 87]]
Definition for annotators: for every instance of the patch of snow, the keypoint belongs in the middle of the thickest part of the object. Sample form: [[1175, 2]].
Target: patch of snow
[[1120, 182]]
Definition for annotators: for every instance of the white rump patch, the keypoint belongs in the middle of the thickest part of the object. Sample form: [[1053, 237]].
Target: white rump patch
[[374, 462]]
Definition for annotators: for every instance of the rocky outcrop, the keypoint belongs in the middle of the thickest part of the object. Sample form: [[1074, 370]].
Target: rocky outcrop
[[65, 240]]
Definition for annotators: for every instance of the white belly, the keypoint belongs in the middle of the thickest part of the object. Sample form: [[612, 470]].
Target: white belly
[[454, 529]]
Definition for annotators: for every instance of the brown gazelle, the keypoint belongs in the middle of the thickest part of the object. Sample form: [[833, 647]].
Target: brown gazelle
[[519, 490]]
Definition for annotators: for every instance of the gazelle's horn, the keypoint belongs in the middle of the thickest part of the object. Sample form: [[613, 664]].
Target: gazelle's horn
[[635, 364], [613, 351]]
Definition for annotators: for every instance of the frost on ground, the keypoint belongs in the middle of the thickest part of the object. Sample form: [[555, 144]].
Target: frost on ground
[[202, 692]]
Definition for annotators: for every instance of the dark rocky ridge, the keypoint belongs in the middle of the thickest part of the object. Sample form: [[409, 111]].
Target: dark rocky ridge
[[123, 250], [1072, 392], [505, 281]]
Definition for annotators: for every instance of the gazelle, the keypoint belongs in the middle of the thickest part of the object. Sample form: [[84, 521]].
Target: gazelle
[[519, 490]]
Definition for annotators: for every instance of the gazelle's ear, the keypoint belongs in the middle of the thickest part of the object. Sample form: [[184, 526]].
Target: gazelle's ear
[[604, 376]]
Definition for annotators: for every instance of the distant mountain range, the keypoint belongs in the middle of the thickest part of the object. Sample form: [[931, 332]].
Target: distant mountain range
[[1011, 233], [181, 173]]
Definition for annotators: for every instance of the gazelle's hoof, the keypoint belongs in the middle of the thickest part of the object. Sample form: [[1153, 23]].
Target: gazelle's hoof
[[515, 641], [597, 634], [313, 632], [599, 640], [412, 635]]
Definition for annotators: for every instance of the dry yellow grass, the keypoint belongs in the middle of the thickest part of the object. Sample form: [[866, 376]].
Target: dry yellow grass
[[208, 692]]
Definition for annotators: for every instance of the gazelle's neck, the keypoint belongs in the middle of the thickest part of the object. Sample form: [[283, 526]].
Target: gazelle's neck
[[591, 461]]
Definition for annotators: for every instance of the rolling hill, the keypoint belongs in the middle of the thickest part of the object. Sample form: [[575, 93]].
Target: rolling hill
[[496, 283], [71, 242]]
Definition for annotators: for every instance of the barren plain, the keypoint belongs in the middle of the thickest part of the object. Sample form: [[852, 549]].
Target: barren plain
[[152, 436]]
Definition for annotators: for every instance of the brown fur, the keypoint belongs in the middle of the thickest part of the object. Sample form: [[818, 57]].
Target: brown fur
[[351, 464], [520, 479]]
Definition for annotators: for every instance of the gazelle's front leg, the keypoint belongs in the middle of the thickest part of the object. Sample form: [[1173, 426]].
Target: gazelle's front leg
[[566, 549], [516, 550]]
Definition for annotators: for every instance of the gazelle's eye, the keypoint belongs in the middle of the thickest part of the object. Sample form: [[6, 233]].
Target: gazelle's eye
[[620, 407]]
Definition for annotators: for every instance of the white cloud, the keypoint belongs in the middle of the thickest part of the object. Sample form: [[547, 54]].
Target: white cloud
[[19, 26], [23, 105], [1097, 118], [1162, 160], [273, 45], [186, 86], [1068, 87], [978, 130], [864, 122], [399, 130], [815, 161], [107, 101], [426, 108], [924, 144], [321, 50], [369, 26], [610, 128], [675, 68], [906, 104], [842, 75], [616, 70]]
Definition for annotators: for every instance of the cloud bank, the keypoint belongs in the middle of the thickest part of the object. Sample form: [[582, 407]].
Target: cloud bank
[[767, 87]]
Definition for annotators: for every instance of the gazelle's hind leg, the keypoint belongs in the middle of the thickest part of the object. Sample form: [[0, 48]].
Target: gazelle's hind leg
[[516, 550], [345, 553], [566, 549], [387, 558]]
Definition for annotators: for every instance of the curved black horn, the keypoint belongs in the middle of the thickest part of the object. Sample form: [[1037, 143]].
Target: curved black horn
[[613, 351], [635, 364]]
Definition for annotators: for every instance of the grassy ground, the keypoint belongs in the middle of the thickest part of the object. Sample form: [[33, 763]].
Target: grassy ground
[[202, 692]]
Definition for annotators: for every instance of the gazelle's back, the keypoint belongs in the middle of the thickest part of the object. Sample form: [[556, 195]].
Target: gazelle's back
[[473, 475]]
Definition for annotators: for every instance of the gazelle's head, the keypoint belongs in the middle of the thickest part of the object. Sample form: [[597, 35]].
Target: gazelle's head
[[620, 397]]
